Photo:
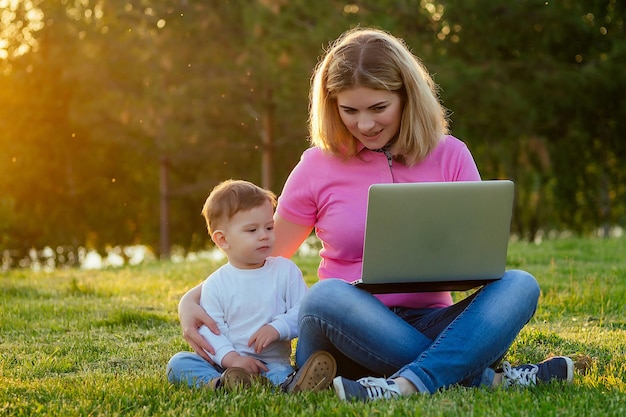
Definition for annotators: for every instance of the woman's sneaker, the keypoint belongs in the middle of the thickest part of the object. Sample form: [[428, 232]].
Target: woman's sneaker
[[559, 368], [315, 375], [365, 389]]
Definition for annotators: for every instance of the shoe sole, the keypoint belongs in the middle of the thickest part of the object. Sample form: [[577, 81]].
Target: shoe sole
[[339, 388], [317, 373], [236, 378], [570, 368]]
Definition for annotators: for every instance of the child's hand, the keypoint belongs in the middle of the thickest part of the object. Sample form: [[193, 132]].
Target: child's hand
[[248, 363], [263, 337]]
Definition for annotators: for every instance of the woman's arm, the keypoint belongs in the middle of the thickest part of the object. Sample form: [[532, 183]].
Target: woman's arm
[[289, 236], [192, 316]]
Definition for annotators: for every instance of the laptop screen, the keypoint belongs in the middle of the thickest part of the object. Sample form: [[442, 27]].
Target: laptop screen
[[429, 232]]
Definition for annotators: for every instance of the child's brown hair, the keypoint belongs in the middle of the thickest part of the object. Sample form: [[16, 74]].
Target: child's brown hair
[[230, 197]]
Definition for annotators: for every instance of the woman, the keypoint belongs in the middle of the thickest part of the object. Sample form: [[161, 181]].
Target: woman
[[375, 117]]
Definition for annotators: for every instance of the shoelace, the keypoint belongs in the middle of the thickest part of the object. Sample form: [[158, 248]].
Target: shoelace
[[523, 376], [379, 388], [284, 386]]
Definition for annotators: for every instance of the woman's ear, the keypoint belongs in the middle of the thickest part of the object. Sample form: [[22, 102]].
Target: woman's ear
[[219, 238]]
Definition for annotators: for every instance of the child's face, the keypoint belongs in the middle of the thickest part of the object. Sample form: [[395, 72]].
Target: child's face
[[250, 237]]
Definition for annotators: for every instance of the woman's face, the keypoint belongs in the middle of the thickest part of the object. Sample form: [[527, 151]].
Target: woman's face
[[371, 116]]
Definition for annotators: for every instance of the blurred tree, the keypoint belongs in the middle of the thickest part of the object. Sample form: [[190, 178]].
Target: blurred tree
[[119, 116], [537, 76], [44, 158], [588, 149]]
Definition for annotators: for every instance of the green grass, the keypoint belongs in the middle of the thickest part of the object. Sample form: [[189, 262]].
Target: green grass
[[76, 342]]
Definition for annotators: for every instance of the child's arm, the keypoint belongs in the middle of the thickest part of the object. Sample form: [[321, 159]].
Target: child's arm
[[287, 323], [210, 301], [192, 317], [284, 325]]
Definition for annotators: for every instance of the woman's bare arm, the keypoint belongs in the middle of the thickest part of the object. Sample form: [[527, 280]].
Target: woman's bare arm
[[289, 236]]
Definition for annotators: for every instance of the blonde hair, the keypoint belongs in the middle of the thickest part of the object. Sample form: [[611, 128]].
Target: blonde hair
[[375, 59], [230, 197]]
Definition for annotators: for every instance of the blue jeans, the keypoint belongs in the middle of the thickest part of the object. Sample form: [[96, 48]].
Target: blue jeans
[[432, 348], [191, 369]]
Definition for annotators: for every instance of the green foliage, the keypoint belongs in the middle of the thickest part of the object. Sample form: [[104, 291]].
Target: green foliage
[[76, 342], [101, 99], [542, 81]]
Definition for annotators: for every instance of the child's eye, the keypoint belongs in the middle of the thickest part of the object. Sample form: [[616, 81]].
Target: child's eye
[[380, 108]]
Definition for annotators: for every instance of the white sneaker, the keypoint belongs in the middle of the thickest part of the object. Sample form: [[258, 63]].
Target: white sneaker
[[559, 368], [366, 389]]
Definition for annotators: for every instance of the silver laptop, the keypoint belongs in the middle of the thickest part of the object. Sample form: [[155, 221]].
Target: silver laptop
[[436, 236]]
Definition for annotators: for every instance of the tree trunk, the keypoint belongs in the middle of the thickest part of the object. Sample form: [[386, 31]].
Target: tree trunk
[[164, 208], [267, 136]]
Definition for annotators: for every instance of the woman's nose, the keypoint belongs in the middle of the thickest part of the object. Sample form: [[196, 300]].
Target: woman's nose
[[365, 124]]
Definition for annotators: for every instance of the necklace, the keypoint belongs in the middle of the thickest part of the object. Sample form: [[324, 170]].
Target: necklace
[[383, 149]]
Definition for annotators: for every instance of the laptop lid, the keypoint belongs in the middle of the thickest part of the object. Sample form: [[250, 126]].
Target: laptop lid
[[440, 236]]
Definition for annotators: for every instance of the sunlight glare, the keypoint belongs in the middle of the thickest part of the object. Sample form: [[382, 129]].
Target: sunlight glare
[[351, 9], [19, 19], [4, 54], [436, 11]]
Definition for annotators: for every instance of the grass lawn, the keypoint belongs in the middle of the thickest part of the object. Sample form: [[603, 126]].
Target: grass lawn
[[76, 342]]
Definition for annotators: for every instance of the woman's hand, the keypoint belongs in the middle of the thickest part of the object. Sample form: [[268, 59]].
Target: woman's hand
[[192, 316]]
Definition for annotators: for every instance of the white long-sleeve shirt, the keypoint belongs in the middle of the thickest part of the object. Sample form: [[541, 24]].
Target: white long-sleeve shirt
[[241, 301]]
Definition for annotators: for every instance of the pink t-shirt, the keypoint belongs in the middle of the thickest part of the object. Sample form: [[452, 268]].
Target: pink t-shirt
[[330, 193]]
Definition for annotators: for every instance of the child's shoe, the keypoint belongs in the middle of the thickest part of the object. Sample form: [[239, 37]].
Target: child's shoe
[[316, 374]]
